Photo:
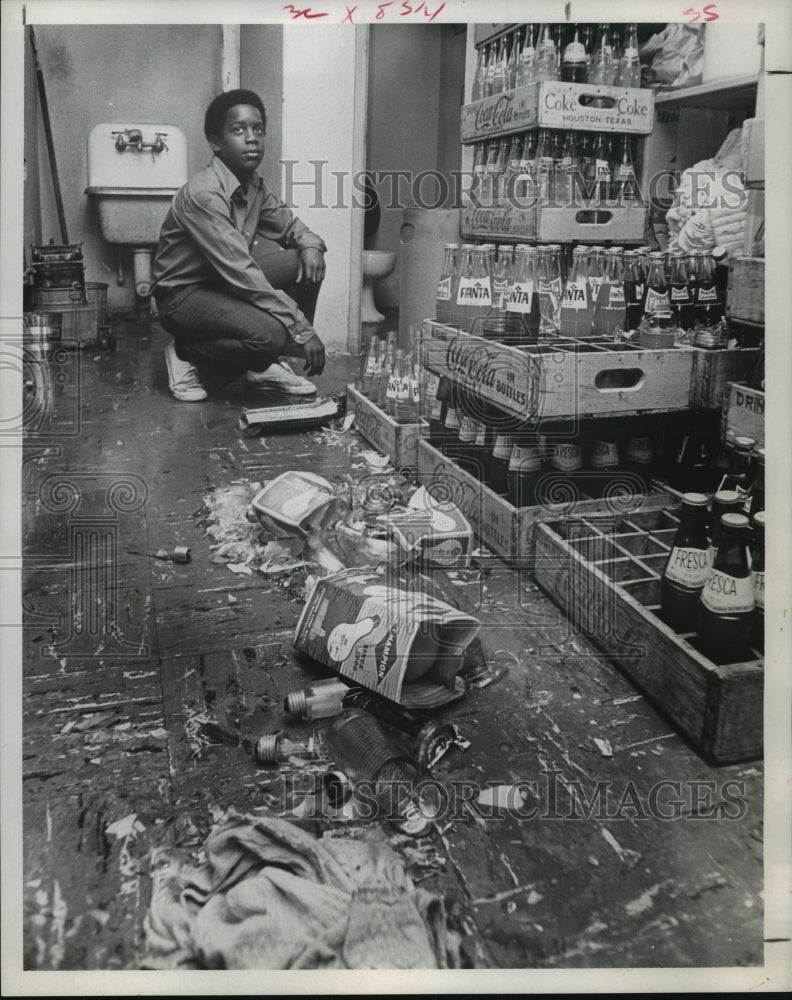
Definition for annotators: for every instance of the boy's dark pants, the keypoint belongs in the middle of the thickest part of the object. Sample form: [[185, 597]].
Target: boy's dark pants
[[224, 336]]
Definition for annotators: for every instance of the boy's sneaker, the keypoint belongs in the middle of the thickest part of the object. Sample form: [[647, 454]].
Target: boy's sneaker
[[280, 376], [183, 380]]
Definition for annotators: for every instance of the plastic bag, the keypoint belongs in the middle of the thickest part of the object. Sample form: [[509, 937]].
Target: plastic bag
[[674, 57]]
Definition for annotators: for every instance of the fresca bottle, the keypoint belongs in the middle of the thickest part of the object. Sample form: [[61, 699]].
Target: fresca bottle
[[688, 567], [726, 609]]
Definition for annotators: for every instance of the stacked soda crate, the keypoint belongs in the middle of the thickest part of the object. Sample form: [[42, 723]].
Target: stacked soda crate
[[554, 114]]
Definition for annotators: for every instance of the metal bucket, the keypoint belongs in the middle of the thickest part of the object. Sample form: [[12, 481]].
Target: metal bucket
[[80, 322]]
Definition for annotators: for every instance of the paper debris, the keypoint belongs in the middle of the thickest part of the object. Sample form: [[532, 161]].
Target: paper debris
[[125, 827], [534, 897], [232, 599], [240, 568], [374, 459], [629, 857], [643, 902], [502, 797], [604, 747], [349, 419]]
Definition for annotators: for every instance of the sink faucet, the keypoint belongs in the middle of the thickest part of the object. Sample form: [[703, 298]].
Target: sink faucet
[[132, 138]]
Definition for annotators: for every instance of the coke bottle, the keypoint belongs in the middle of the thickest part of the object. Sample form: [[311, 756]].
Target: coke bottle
[[525, 469], [413, 388], [513, 170], [489, 71], [466, 445], [610, 311], [549, 290], [522, 307], [477, 191], [514, 60], [569, 170], [628, 73], [738, 476], [758, 577], [725, 614], [499, 464], [602, 167], [546, 67], [398, 400], [574, 65], [525, 186], [757, 501], [576, 314], [625, 184], [544, 164], [526, 70], [633, 290], [385, 371], [682, 308], [603, 69], [489, 188], [688, 568], [446, 288], [477, 91], [498, 75]]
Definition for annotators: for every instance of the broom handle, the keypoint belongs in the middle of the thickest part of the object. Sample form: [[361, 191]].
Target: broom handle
[[50, 144]]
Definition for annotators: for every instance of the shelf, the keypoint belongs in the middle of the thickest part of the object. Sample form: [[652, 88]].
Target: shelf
[[730, 94]]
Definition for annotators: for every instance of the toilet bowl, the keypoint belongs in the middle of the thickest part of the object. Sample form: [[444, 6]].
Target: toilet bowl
[[377, 264]]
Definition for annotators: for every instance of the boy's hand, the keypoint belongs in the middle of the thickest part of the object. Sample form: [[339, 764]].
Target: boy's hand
[[312, 266], [314, 354]]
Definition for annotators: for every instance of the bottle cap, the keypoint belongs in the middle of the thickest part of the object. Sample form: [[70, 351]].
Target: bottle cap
[[727, 497], [719, 253], [732, 520], [694, 499], [759, 519], [744, 443]]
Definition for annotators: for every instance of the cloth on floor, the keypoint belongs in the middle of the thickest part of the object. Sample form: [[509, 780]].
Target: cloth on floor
[[269, 895]]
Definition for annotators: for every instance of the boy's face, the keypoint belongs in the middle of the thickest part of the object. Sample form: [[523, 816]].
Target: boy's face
[[241, 144]]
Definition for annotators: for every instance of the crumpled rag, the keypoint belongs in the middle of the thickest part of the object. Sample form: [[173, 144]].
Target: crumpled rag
[[269, 895]]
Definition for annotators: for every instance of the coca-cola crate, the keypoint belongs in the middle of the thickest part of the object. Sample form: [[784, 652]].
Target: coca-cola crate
[[557, 105], [591, 223], [498, 222], [564, 378], [509, 530], [398, 441], [745, 299], [604, 571], [714, 370], [745, 413]]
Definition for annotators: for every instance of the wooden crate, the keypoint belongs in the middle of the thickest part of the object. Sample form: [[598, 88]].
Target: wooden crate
[[565, 378], [557, 105], [753, 151], [746, 296], [605, 574], [591, 224], [498, 223], [713, 370], [509, 530], [398, 441], [745, 413]]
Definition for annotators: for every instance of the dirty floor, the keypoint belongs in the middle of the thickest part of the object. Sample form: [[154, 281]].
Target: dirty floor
[[121, 659]]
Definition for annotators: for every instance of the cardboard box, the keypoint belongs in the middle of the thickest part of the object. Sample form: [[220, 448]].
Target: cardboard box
[[403, 644], [433, 529], [297, 502], [745, 413]]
